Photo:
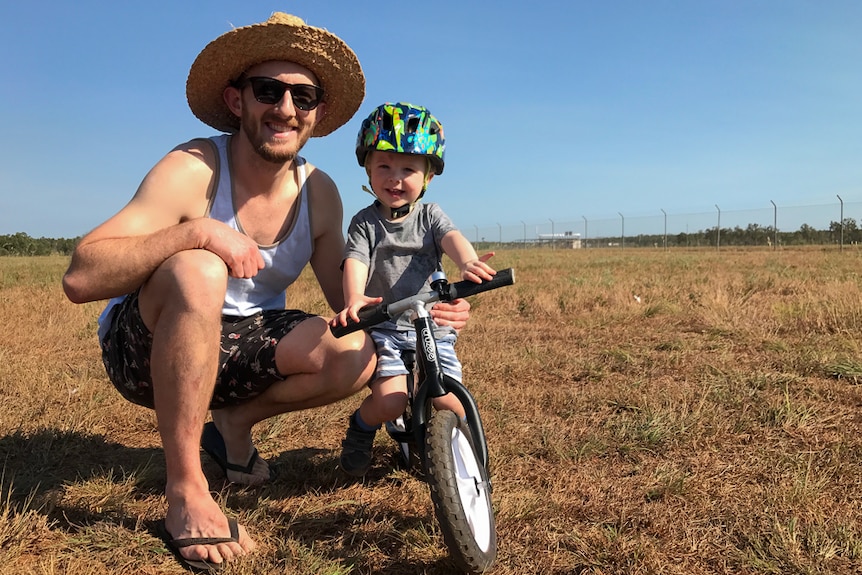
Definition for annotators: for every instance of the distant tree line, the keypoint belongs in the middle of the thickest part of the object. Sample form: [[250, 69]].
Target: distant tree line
[[756, 235], [21, 244]]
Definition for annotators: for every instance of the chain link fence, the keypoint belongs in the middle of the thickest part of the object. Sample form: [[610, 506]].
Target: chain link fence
[[772, 227]]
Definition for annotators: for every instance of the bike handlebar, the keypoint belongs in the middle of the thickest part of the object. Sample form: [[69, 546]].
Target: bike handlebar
[[372, 315]]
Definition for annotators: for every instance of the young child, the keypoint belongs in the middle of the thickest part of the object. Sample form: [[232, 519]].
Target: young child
[[393, 246]]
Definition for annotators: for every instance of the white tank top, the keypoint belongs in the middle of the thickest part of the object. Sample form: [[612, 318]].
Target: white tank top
[[284, 260]]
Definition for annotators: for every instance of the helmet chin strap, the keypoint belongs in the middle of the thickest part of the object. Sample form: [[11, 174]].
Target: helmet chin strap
[[398, 212], [402, 211]]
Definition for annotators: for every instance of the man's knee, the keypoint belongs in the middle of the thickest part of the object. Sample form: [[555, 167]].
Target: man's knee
[[192, 279], [330, 368], [197, 265], [353, 362]]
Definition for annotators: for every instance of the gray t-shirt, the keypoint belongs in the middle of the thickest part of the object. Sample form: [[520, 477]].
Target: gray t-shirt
[[400, 256]]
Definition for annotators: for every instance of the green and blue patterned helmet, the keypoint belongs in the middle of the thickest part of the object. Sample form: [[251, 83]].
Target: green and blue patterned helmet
[[405, 129]]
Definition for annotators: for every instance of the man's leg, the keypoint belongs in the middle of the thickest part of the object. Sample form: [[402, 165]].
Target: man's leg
[[181, 305], [320, 370]]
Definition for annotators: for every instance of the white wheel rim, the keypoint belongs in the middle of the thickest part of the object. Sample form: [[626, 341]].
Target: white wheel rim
[[472, 491]]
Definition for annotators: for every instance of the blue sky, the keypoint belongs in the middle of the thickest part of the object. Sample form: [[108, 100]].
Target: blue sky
[[552, 109]]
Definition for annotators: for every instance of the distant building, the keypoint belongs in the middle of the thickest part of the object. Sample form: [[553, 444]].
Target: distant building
[[563, 239]]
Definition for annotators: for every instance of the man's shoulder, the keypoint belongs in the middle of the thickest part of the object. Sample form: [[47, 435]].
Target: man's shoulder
[[197, 152], [200, 143], [315, 174]]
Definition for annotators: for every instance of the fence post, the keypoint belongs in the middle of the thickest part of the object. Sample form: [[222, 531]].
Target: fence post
[[623, 232], [585, 231], [718, 229], [665, 228], [841, 244], [774, 225]]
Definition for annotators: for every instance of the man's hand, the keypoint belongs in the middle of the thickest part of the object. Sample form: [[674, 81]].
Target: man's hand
[[240, 253], [455, 313]]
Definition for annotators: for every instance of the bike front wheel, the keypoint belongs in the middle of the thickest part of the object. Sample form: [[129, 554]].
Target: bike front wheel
[[461, 492]]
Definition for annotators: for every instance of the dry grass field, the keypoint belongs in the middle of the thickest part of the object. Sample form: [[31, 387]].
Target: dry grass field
[[712, 424]]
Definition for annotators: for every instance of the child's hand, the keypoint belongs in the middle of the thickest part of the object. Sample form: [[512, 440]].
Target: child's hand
[[356, 303], [477, 270]]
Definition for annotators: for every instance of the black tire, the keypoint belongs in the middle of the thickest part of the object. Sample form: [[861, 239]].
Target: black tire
[[461, 493]]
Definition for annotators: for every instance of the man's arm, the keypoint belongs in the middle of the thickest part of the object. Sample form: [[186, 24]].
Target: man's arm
[[162, 219], [328, 250]]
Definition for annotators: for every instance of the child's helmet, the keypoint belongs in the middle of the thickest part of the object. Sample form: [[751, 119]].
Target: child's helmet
[[402, 128]]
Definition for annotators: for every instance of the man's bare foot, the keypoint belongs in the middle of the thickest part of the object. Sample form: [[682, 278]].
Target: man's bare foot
[[200, 517]]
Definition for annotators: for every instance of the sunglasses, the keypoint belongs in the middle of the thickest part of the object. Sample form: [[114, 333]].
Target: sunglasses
[[270, 91]]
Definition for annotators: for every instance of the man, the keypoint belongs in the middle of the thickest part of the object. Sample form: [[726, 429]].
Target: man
[[197, 264]]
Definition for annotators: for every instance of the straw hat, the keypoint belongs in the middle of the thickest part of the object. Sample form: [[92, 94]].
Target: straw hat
[[282, 37]]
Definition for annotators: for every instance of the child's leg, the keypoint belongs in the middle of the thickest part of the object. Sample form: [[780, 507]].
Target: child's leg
[[450, 402], [387, 401]]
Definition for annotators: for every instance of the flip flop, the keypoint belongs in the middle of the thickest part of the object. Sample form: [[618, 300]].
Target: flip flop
[[212, 443], [198, 565]]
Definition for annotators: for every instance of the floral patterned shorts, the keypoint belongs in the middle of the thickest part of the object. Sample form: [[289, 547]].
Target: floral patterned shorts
[[246, 359]]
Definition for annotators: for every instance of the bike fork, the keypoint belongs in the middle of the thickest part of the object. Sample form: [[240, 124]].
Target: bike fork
[[437, 384]]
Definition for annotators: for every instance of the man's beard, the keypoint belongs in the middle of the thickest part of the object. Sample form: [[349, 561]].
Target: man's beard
[[268, 152]]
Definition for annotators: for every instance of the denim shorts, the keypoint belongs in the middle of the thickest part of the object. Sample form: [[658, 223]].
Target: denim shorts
[[246, 357], [390, 343]]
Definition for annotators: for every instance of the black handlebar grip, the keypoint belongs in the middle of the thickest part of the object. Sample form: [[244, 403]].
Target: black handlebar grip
[[372, 315], [368, 316], [467, 288]]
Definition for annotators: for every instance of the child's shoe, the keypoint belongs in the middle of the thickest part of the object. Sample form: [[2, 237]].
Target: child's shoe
[[356, 456]]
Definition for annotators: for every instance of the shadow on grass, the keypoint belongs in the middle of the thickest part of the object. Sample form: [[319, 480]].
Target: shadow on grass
[[400, 543], [39, 468], [391, 545], [48, 459], [315, 470], [76, 479]]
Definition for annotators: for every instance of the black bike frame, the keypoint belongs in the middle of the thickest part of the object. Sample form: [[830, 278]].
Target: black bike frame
[[432, 381]]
